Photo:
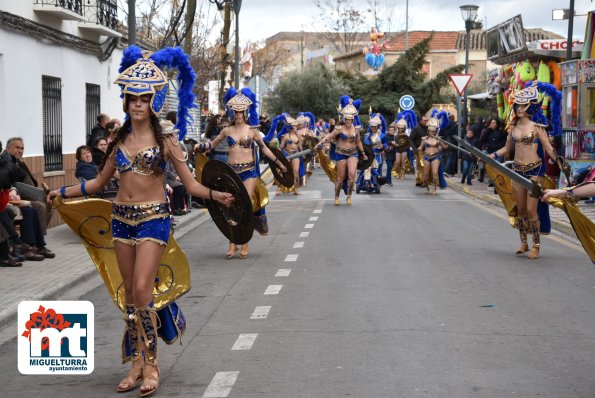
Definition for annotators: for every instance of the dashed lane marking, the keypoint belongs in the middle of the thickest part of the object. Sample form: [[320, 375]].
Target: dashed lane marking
[[245, 341], [298, 245], [291, 258], [315, 218], [221, 385], [273, 289], [283, 272], [318, 211], [304, 234], [260, 312], [309, 226]]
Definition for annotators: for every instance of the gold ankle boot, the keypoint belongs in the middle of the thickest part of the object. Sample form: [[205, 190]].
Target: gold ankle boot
[[534, 228], [521, 224], [132, 340]]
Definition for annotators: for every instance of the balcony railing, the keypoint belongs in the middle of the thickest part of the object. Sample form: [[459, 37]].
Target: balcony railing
[[107, 13], [67, 9]]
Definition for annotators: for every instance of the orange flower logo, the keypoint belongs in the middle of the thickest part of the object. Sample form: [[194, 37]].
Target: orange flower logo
[[43, 319]]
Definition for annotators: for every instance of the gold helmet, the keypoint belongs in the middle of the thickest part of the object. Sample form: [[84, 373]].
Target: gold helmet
[[239, 102], [375, 121], [433, 124], [401, 124]]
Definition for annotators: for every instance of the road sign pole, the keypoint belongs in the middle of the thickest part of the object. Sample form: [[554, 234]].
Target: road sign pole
[[460, 126]]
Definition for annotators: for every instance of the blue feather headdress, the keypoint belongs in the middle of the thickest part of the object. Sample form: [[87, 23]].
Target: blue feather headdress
[[409, 116], [555, 107], [288, 124], [243, 101], [376, 119], [306, 117], [349, 109], [141, 72]]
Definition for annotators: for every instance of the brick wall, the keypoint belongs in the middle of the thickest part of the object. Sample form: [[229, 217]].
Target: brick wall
[[53, 180]]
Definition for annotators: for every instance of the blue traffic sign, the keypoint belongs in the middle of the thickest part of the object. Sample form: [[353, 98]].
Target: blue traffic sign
[[406, 102]]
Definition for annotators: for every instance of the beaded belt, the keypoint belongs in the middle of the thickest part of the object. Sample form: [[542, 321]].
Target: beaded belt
[[345, 151], [241, 167], [523, 168], [132, 213]]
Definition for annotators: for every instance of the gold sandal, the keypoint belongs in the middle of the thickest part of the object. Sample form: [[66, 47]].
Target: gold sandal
[[233, 249], [131, 380], [151, 380], [244, 252]]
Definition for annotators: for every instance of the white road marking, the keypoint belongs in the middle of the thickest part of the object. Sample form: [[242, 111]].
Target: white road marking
[[245, 341], [315, 218], [298, 245], [291, 258], [304, 234], [273, 289], [260, 312], [309, 226], [283, 272], [221, 385], [317, 211]]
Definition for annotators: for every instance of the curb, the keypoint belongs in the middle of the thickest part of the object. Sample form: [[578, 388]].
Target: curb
[[558, 225], [9, 315], [185, 224]]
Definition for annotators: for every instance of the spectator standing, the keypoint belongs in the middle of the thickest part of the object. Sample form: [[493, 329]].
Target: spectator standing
[[469, 162], [98, 151], [450, 154], [478, 127], [15, 147], [99, 130], [492, 138]]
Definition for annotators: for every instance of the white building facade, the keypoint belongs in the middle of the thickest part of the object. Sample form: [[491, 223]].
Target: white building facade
[[58, 61]]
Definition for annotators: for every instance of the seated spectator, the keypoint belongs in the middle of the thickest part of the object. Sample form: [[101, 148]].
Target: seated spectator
[[31, 232], [98, 151], [20, 250], [85, 168], [13, 154], [5, 259]]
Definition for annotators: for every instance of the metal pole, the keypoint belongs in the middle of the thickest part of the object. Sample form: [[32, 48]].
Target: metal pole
[[131, 22], [570, 26], [468, 28], [302, 52], [236, 73], [406, 25]]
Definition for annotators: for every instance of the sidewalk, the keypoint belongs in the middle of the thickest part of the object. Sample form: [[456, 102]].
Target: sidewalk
[[50, 279], [481, 191]]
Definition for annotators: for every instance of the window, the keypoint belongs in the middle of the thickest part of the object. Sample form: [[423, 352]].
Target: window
[[92, 107], [52, 122]]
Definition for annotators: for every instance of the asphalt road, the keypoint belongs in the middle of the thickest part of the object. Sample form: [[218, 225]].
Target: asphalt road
[[399, 295]]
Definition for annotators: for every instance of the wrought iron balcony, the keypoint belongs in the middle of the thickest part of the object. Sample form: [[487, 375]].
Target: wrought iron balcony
[[102, 17], [72, 10]]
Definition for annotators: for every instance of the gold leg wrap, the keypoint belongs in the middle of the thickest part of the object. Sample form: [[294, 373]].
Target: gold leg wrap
[[132, 337], [522, 225], [534, 228], [337, 192], [350, 185], [147, 317]]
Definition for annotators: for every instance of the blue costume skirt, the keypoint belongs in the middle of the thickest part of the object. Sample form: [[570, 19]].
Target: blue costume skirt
[[533, 169], [133, 223]]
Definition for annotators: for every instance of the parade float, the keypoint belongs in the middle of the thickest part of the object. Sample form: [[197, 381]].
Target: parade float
[[522, 63]]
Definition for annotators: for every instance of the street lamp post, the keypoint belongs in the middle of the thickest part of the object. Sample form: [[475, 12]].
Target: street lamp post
[[469, 13]]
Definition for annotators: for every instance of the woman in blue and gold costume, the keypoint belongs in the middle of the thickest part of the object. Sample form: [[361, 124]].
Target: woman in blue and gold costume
[[431, 147], [306, 125], [289, 143], [369, 179], [405, 120], [242, 137], [526, 132], [140, 212], [347, 145]]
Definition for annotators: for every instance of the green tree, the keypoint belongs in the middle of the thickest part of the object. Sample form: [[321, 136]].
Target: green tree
[[317, 89]]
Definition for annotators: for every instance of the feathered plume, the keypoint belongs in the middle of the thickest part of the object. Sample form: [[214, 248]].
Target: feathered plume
[[310, 117], [555, 106], [229, 94], [443, 117], [409, 116], [286, 126], [344, 100], [253, 119], [174, 57], [129, 57], [274, 123]]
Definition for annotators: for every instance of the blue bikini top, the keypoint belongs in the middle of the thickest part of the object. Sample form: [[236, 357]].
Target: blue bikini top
[[245, 142], [141, 163]]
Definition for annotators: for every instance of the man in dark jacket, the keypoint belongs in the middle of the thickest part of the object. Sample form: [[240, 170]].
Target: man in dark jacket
[[13, 154], [99, 130], [450, 154], [420, 131]]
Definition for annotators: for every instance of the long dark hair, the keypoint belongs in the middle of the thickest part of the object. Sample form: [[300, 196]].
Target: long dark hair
[[123, 132]]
